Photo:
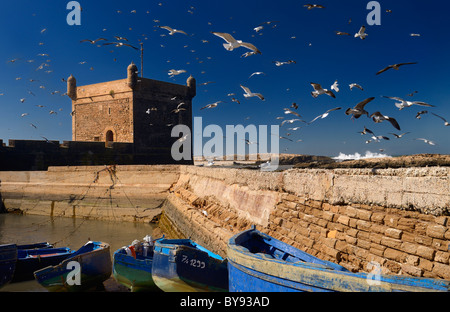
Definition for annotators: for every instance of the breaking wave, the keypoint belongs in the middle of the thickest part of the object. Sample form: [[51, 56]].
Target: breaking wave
[[357, 156]]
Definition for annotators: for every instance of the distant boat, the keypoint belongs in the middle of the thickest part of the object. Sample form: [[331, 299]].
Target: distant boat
[[8, 259], [134, 271], [260, 263], [33, 259], [181, 265], [94, 263]]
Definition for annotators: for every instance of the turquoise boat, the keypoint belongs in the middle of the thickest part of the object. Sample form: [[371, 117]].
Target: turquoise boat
[[181, 265], [260, 263], [85, 269], [135, 271], [8, 259]]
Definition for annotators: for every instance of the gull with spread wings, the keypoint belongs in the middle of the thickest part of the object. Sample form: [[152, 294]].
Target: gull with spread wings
[[249, 93], [403, 103], [379, 117], [359, 110], [318, 90], [234, 44], [395, 66], [172, 31]]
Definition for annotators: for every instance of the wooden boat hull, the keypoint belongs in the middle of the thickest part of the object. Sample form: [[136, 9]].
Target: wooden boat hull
[[181, 265], [95, 265], [136, 274], [31, 260], [8, 259], [260, 263]]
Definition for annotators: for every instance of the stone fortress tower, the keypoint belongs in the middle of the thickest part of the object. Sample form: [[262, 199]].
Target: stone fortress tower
[[133, 110]]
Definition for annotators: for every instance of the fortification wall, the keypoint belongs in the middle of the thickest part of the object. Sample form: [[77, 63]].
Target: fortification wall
[[118, 193], [397, 218]]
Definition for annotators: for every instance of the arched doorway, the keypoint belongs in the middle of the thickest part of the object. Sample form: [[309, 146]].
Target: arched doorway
[[109, 136]]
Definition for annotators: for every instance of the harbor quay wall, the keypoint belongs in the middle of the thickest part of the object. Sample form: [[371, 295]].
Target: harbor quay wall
[[394, 219], [115, 193]]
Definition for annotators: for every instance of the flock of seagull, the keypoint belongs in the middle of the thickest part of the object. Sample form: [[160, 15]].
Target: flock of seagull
[[230, 43]]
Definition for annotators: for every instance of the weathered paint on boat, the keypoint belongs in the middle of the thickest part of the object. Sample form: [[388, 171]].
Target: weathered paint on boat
[[181, 265], [8, 259], [260, 263], [95, 264], [134, 273], [31, 260]]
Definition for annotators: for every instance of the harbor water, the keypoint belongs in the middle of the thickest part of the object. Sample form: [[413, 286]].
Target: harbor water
[[67, 232]]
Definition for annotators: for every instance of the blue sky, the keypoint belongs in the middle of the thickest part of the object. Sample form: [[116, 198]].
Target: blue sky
[[305, 36]]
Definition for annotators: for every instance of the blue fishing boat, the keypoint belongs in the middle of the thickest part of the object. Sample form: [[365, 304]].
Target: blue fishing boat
[[41, 245], [8, 259], [86, 268], [260, 263], [132, 266], [181, 265], [33, 259]]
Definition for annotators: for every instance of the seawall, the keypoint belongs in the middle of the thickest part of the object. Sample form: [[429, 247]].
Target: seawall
[[359, 218]]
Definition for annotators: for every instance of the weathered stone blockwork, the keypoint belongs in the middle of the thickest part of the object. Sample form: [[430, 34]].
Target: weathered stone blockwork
[[315, 211]]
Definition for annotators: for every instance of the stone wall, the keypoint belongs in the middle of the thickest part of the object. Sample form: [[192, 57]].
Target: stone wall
[[396, 218]]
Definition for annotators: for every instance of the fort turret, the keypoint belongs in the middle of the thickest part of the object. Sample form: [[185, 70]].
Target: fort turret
[[72, 87], [132, 76], [192, 86]]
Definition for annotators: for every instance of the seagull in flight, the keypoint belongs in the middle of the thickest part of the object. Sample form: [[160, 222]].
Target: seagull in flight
[[256, 73], [314, 6], [318, 90], [121, 44], [398, 136], [93, 41], [341, 33], [361, 33], [446, 123], [324, 115], [358, 110], [335, 86], [365, 131], [172, 31], [234, 44], [426, 141], [249, 93], [211, 105], [379, 117], [403, 103], [355, 85], [395, 66], [174, 72], [419, 114], [288, 111], [278, 63]]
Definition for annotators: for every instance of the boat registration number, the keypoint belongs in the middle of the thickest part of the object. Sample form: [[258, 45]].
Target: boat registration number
[[193, 262]]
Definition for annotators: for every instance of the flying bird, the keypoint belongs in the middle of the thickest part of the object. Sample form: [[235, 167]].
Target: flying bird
[[288, 111], [359, 110], [278, 63], [335, 86], [365, 131], [398, 136], [324, 115], [121, 44], [419, 114], [211, 105], [256, 73], [234, 44], [249, 93], [318, 90], [403, 103], [355, 85], [174, 72], [395, 66], [314, 6], [427, 141], [446, 123], [93, 41], [361, 33], [172, 31], [179, 108], [341, 33], [120, 38], [379, 117]]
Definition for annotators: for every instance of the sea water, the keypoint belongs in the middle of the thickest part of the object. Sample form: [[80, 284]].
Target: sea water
[[66, 232]]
